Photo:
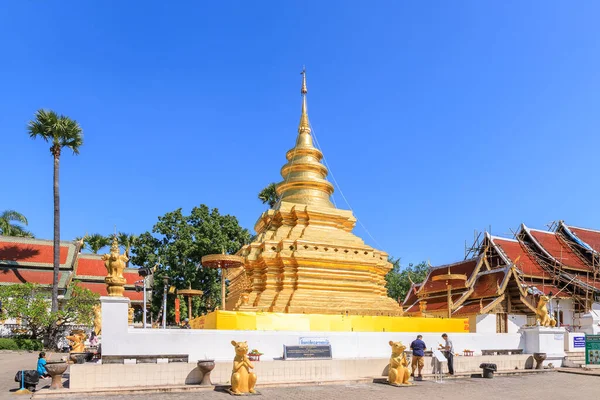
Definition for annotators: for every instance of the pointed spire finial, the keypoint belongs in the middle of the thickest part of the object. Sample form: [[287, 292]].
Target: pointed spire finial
[[304, 124]]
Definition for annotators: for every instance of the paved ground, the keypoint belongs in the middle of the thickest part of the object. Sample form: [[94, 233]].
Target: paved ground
[[549, 385], [553, 385], [10, 363]]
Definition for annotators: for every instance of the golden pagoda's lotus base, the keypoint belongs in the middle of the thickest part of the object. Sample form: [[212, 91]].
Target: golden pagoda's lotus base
[[267, 321]]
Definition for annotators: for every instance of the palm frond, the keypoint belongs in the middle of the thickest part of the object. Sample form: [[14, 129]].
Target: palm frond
[[12, 215]]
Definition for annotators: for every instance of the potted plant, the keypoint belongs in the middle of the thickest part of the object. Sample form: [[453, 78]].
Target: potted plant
[[254, 355]]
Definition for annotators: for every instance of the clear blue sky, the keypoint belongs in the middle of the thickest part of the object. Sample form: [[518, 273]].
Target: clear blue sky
[[437, 118]]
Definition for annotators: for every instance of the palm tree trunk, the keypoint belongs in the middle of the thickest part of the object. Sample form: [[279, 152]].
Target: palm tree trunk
[[56, 235]]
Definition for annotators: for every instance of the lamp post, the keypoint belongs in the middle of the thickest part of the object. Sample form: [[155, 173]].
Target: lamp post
[[144, 273], [164, 321]]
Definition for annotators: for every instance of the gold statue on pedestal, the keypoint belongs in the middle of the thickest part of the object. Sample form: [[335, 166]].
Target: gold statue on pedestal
[[399, 373], [242, 380], [77, 341], [130, 315], [97, 319], [115, 265], [543, 317], [305, 258]]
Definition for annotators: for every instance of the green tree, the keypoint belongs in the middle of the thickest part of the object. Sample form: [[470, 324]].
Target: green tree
[[29, 302], [177, 244], [398, 280], [269, 195], [10, 221], [62, 132], [96, 242]]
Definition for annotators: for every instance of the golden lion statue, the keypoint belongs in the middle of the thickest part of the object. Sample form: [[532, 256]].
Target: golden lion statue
[[543, 317], [398, 369], [242, 380], [77, 340]]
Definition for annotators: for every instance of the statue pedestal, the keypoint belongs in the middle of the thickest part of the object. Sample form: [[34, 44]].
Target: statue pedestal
[[551, 341], [115, 312]]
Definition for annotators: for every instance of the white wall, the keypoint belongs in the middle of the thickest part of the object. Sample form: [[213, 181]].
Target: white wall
[[119, 339], [515, 322], [486, 323]]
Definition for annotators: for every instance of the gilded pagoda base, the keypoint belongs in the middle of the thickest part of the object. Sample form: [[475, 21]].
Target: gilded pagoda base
[[267, 321]]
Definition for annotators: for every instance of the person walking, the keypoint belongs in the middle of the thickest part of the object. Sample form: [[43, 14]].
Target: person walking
[[418, 349], [449, 353]]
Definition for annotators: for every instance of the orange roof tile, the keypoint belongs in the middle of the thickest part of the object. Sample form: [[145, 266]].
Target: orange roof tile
[[466, 267], [514, 250], [558, 249]]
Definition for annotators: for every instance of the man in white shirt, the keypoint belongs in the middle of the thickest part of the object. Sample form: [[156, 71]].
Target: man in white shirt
[[449, 353]]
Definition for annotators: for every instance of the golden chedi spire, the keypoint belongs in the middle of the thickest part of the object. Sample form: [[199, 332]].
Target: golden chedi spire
[[305, 258], [304, 176]]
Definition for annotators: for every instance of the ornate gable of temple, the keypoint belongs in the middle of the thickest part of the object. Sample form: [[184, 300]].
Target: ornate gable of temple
[[564, 263], [305, 258]]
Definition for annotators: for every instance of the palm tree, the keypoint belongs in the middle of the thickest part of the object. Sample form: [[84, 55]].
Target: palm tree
[[61, 131], [8, 227], [269, 195], [96, 241], [127, 241]]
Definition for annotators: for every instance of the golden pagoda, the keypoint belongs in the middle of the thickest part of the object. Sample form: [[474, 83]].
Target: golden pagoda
[[305, 258]]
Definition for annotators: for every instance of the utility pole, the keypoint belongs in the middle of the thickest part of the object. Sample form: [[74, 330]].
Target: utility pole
[[164, 317]]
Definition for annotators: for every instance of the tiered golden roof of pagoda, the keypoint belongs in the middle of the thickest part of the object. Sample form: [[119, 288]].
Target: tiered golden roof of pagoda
[[305, 258]]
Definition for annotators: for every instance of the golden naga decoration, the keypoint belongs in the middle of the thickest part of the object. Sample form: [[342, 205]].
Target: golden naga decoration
[[543, 317], [399, 373], [242, 380], [305, 258], [77, 339], [115, 265], [97, 319], [130, 316]]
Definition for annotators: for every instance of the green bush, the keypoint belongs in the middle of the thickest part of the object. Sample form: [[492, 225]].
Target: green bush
[[21, 344]]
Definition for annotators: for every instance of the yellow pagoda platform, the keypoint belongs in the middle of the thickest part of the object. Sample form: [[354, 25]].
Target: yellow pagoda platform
[[305, 258], [268, 321]]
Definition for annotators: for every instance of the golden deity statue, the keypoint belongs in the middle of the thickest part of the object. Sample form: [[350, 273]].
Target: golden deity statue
[[242, 380], [399, 373], [305, 258], [97, 319], [77, 341], [130, 314], [544, 318], [115, 265]]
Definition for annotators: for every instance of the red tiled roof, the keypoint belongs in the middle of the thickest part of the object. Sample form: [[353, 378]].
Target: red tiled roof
[[90, 266], [466, 267], [411, 296], [559, 250], [100, 288], [487, 284], [546, 288], [21, 275], [30, 252], [473, 307], [526, 263], [590, 237]]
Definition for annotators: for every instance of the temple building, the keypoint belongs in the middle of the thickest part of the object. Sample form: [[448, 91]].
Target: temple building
[[498, 288], [24, 260], [305, 258]]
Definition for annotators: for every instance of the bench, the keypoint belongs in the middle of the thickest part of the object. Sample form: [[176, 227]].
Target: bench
[[146, 359], [503, 352]]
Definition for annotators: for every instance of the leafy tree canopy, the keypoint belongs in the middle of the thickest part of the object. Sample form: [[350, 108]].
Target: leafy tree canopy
[[177, 244], [29, 302], [11, 224], [398, 279], [269, 195]]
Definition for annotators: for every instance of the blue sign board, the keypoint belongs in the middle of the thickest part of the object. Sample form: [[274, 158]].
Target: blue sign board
[[579, 341]]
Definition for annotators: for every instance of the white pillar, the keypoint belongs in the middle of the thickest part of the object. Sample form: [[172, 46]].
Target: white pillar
[[115, 311]]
